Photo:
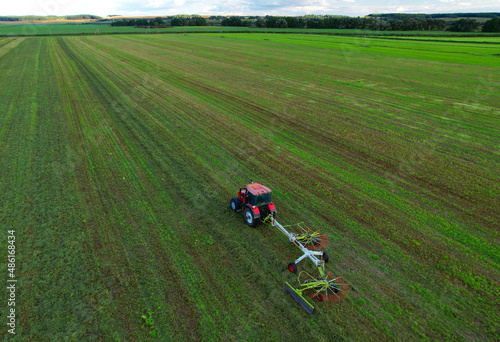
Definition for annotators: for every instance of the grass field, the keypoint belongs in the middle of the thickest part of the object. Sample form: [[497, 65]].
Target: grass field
[[65, 28], [464, 52], [461, 40], [119, 155]]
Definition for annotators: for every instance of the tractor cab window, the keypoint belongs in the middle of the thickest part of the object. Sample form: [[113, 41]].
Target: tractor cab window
[[263, 199], [249, 198]]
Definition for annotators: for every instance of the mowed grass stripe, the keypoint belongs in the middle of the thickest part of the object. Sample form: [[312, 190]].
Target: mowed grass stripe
[[7, 45], [120, 239], [39, 203], [5, 41]]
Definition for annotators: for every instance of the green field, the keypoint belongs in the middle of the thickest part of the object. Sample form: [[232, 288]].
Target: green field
[[66, 29], [465, 52], [45, 29], [460, 40], [119, 155]]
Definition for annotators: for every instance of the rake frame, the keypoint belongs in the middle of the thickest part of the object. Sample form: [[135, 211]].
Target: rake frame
[[313, 255]]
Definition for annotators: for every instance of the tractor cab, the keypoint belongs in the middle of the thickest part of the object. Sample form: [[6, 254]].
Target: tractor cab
[[255, 194]]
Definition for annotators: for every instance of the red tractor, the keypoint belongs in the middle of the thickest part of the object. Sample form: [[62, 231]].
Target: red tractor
[[254, 200]]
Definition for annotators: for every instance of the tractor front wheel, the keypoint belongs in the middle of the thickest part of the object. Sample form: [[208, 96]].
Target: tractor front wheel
[[249, 219], [235, 204]]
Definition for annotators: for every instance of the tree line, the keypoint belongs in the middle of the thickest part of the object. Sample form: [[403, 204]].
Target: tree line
[[341, 22], [408, 23], [401, 16], [193, 21], [471, 25], [159, 22]]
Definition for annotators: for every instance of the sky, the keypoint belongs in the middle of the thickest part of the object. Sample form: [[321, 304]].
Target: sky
[[242, 7]]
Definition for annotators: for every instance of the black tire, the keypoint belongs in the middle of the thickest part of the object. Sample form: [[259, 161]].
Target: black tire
[[249, 219], [235, 204], [325, 257], [292, 267]]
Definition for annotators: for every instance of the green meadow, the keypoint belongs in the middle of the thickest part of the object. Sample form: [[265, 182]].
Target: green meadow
[[119, 155], [90, 28]]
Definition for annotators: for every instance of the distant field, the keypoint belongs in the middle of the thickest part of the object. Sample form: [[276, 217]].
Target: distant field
[[463, 52], [62, 29], [481, 20], [120, 153], [71, 29], [482, 39]]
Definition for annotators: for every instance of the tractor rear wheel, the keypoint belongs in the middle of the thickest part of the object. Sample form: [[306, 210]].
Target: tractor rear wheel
[[235, 204], [292, 267], [249, 219]]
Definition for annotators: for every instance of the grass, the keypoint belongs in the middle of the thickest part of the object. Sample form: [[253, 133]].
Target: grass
[[485, 39], [450, 52], [64, 28], [119, 155]]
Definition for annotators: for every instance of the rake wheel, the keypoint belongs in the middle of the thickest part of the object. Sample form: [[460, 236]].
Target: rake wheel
[[324, 288], [311, 240]]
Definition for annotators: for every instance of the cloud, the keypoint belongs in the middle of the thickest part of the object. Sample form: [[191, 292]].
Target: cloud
[[156, 4], [162, 4], [58, 7]]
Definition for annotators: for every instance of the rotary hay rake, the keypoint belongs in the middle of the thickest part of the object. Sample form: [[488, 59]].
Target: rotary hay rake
[[324, 287], [254, 201]]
